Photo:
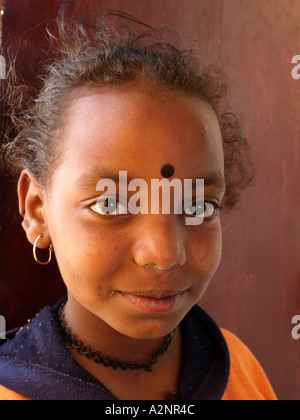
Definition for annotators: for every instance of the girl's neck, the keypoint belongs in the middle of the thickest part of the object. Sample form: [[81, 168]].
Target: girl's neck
[[130, 384], [96, 333]]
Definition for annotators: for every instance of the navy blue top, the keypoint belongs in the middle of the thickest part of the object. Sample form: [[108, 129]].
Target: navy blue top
[[36, 363]]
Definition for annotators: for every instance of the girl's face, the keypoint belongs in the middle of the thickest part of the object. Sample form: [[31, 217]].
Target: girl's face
[[109, 262]]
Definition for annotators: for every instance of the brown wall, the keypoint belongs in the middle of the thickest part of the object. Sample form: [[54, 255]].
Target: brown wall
[[256, 291]]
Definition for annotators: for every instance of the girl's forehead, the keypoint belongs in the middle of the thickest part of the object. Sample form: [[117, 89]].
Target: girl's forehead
[[140, 129], [136, 104]]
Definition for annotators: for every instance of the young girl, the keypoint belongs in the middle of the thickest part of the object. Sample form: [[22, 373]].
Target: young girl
[[130, 327]]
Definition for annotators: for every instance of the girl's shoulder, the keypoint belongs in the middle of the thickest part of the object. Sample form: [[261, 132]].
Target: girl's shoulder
[[35, 363], [247, 380], [8, 395]]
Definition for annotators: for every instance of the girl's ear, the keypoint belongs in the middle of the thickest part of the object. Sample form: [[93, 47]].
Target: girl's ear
[[32, 208]]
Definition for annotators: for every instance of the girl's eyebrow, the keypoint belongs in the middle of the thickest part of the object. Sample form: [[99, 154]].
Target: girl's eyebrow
[[85, 182], [217, 180], [90, 180]]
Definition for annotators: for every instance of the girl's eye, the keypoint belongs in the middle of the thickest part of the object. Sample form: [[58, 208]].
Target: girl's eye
[[113, 207], [205, 209], [108, 207]]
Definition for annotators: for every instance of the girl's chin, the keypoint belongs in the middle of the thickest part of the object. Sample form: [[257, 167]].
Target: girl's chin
[[147, 320]]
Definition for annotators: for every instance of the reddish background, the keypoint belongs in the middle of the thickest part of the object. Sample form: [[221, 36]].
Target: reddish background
[[256, 290]]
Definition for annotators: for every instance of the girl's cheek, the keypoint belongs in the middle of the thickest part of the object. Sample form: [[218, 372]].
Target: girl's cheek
[[207, 250]]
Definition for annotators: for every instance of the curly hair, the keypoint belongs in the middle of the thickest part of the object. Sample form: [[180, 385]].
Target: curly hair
[[103, 55]]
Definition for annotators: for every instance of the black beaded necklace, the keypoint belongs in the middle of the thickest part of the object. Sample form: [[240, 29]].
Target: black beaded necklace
[[97, 357]]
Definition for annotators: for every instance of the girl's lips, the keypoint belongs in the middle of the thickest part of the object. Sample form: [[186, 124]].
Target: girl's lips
[[153, 304]]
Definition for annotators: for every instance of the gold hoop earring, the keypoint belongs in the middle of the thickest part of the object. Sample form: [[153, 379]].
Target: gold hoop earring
[[34, 251]]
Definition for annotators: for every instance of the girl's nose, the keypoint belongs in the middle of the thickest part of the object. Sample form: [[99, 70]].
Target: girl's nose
[[160, 242]]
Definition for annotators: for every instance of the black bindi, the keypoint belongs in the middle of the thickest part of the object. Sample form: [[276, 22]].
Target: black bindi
[[167, 170]]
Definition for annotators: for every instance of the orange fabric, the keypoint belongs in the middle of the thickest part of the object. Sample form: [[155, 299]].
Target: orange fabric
[[247, 379], [8, 395]]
